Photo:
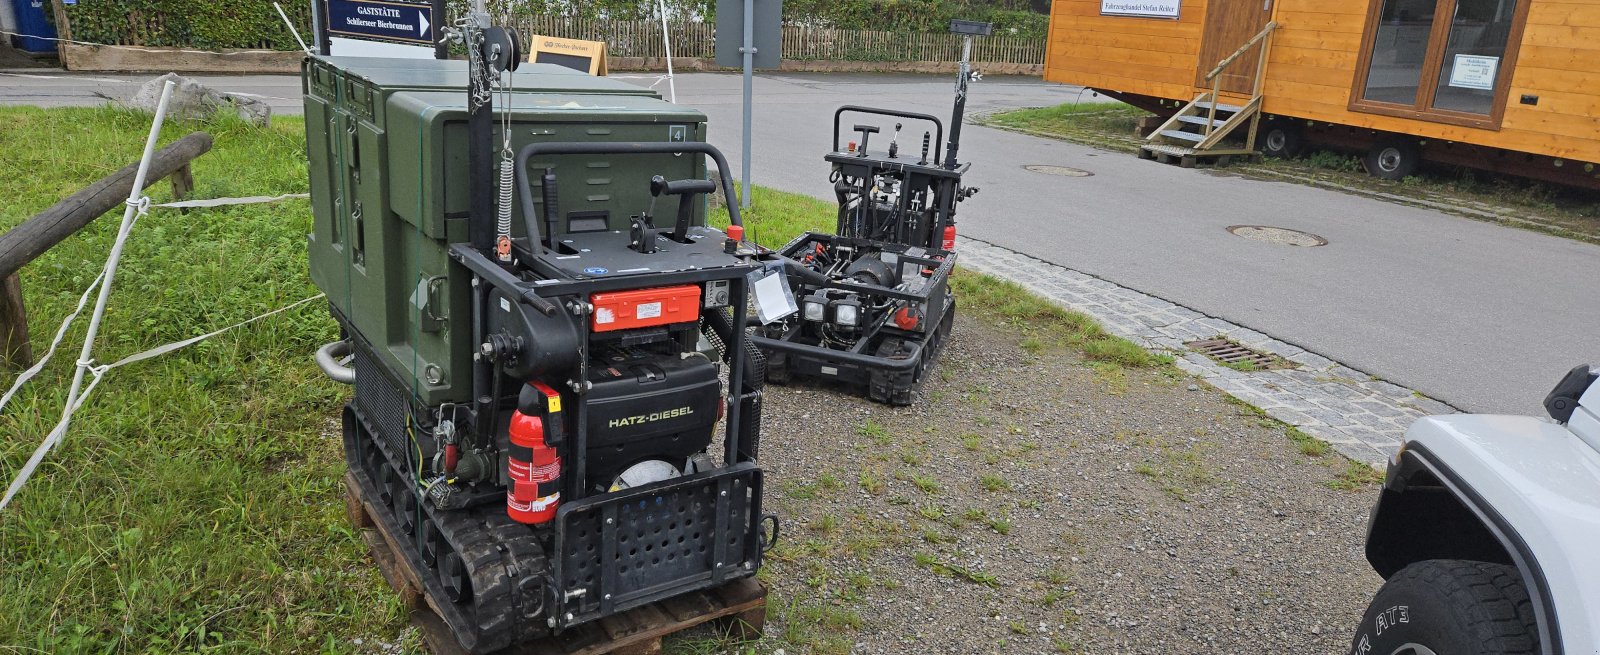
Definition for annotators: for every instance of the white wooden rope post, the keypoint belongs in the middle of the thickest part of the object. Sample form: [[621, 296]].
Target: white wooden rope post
[[137, 204]]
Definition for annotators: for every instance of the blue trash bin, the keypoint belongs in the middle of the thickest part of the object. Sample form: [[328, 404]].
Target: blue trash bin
[[34, 25]]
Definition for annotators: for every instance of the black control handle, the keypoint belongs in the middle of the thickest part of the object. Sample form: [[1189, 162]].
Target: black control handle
[[866, 131], [552, 209], [690, 187], [938, 125]]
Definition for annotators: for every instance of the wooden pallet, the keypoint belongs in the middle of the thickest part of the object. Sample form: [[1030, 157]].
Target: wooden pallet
[[738, 608]]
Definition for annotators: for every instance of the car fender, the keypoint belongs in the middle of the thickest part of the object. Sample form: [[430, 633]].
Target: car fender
[[1532, 486]]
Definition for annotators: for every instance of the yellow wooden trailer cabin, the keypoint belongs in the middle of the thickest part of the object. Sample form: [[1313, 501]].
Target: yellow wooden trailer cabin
[[1511, 86]]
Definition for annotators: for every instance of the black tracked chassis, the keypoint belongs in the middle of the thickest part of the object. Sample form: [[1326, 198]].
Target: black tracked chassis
[[874, 297], [497, 582], [496, 562], [891, 363]]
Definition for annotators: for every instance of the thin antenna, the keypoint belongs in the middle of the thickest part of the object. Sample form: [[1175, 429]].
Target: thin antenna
[[290, 25]]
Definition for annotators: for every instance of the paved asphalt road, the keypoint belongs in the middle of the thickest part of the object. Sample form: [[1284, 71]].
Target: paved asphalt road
[[1481, 316]]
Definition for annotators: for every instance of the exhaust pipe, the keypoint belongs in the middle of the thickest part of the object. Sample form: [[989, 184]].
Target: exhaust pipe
[[328, 357]]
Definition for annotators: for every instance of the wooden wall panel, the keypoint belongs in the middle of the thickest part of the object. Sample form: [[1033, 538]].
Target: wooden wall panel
[[1312, 67], [1147, 56]]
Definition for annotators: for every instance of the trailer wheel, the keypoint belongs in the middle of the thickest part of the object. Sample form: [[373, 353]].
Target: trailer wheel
[[1282, 139], [1393, 158], [1436, 607]]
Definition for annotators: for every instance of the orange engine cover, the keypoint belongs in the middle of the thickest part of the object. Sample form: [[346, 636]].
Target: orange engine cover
[[623, 310]]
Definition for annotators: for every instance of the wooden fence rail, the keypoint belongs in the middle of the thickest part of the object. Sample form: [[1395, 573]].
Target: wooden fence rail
[[33, 237]]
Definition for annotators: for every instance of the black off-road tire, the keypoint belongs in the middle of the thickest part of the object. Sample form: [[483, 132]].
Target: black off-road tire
[[1450, 607]]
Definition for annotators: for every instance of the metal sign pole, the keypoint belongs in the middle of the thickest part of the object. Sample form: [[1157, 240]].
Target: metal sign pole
[[749, 51], [319, 25], [666, 39], [441, 47]]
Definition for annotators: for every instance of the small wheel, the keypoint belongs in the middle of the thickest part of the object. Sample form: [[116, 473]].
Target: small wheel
[[1393, 158], [1440, 607], [405, 507], [432, 543], [453, 577], [1282, 139]]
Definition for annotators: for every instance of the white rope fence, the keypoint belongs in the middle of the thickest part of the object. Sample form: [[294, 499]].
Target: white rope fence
[[137, 206]]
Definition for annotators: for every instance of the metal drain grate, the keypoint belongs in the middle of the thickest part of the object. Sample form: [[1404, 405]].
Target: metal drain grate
[[1229, 353]]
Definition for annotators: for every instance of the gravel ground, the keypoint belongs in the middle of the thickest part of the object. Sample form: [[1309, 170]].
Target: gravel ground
[[1032, 503]]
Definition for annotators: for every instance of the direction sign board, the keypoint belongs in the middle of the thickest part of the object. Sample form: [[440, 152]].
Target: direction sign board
[[767, 32], [382, 20]]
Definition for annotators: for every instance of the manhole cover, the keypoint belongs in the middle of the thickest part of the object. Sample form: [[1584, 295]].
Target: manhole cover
[[1063, 171], [1278, 235]]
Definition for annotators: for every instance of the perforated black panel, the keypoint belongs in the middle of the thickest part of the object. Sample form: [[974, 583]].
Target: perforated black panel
[[379, 400], [630, 548]]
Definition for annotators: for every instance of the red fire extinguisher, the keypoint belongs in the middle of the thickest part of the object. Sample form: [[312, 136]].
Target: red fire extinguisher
[[949, 238], [533, 465]]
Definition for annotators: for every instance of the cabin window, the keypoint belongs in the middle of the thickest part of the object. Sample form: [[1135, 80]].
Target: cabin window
[[1440, 60], [1394, 74]]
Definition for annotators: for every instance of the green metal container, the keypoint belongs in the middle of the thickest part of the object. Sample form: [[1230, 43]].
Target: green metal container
[[387, 145]]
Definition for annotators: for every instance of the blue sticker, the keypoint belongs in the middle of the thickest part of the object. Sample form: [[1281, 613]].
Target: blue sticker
[[596, 270]]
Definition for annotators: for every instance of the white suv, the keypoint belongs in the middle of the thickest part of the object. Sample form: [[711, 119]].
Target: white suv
[[1488, 534]]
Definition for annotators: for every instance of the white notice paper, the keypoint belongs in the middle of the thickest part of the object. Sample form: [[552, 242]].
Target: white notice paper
[[774, 300], [1474, 72]]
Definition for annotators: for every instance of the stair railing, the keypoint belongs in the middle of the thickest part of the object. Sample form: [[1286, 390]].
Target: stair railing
[[1215, 76]]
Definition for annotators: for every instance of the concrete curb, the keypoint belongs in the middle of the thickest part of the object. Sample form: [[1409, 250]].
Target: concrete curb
[[1362, 417]]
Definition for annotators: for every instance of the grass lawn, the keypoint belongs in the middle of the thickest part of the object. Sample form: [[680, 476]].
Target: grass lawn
[[1108, 125], [196, 503]]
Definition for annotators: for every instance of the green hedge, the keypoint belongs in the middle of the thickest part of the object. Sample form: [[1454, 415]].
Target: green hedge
[[213, 24], [203, 24]]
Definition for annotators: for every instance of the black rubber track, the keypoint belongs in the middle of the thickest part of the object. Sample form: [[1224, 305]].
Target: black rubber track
[[503, 559], [1453, 607], [899, 388]]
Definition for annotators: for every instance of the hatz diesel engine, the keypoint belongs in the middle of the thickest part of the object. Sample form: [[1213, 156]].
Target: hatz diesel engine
[[874, 298], [556, 409]]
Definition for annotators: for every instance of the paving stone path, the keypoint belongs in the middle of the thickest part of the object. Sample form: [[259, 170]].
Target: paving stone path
[[1361, 416]]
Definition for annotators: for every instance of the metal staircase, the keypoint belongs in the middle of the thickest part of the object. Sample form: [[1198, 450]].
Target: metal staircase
[[1197, 130]]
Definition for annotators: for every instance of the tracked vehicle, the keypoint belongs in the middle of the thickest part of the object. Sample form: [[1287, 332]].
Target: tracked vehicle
[[556, 408], [874, 299]]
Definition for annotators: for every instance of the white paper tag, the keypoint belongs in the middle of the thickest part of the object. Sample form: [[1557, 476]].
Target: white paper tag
[[604, 315], [774, 300], [648, 310]]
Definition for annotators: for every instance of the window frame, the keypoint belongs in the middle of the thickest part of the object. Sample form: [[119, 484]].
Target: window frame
[[1432, 65]]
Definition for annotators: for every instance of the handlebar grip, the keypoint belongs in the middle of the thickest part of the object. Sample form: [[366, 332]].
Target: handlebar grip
[[867, 129], [682, 187]]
